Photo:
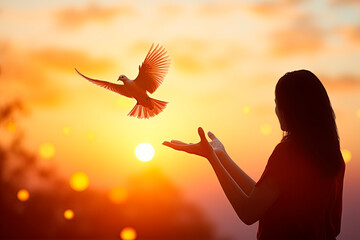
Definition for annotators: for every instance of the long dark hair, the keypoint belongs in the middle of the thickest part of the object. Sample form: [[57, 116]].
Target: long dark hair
[[309, 118]]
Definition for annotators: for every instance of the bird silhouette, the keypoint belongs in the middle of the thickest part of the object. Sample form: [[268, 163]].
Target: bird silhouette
[[151, 75]]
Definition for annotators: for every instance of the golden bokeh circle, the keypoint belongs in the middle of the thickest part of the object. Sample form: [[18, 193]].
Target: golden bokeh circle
[[47, 150], [23, 195], [128, 233], [266, 129], [79, 181], [68, 214]]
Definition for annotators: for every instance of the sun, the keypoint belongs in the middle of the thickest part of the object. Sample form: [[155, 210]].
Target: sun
[[144, 152]]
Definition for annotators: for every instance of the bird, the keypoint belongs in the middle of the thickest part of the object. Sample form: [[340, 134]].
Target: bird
[[151, 74]]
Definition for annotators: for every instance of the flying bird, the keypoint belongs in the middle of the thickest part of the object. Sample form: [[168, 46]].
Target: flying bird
[[151, 75]]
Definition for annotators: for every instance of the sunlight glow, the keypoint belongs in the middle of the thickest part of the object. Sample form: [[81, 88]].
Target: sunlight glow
[[346, 155], [144, 152], [358, 113], [23, 195], [266, 129], [79, 181], [47, 150], [68, 214], [128, 233], [118, 195]]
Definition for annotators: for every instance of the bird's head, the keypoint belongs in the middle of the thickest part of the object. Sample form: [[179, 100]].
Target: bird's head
[[122, 78]]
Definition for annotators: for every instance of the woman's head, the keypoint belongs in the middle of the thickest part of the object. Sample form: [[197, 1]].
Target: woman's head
[[305, 112]]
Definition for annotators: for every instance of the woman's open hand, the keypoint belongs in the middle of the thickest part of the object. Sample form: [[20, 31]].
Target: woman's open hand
[[202, 148], [215, 143]]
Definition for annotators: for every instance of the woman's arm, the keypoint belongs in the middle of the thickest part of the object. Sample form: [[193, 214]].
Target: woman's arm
[[248, 208], [245, 182]]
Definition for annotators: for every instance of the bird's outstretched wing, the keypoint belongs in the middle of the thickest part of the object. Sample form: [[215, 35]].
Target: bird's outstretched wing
[[120, 89], [153, 69]]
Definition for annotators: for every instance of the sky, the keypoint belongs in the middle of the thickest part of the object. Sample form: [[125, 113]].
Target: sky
[[226, 57]]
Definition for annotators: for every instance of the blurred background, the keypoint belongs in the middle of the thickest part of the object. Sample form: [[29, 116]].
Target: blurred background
[[68, 167]]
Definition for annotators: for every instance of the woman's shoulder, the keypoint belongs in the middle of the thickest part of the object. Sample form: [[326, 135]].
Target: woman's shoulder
[[284, 146], [279, 153], [286, 151]]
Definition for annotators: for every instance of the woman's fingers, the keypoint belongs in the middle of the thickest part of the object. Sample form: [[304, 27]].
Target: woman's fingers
[[189, 148], [202, 135], [211, 136], [178, 142], [173, 145]]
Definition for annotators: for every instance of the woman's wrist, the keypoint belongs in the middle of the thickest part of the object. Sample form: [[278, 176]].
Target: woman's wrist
[[220, 152], [212, 157]]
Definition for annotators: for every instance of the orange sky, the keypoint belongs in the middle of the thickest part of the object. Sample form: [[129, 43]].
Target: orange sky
[[226, 56]]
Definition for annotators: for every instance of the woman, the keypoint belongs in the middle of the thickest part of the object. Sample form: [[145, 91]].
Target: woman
[[299, 195]]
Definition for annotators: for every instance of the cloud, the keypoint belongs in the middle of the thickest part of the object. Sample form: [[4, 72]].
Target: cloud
[[272, 8], [352, 34], [170, 9], [22, 79], [265, 9], [204, 56], [342, 84], [344, 2], [71, 18], [301, 37], [219, 8], [66, 60], [36, 76]]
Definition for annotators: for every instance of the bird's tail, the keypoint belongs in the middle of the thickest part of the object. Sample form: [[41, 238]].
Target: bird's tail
[[140, 111]]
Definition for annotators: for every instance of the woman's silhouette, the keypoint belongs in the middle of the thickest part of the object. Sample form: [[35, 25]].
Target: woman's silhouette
[[299, 195]]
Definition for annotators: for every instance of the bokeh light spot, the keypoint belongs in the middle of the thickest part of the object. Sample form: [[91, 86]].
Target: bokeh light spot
[[346, 155], [266, 129], [68, 214], [246, 110], [47, 150], [23, 195], [11, 126], [358, 113], [118, 195], [79, 181], [66, 130], [144, 152], [128, 233]]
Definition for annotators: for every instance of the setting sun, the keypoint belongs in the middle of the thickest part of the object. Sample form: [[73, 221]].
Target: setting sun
[[79, 181], [144, 152], [128, 233]]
